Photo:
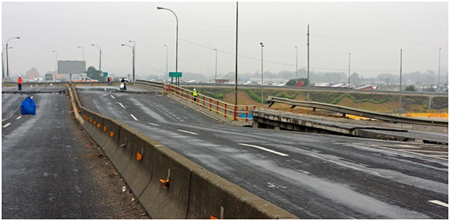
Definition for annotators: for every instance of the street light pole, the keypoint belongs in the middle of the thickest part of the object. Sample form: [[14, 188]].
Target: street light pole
[[100, 57], [262, 74], [7, 58], [134, 58], [215, 75], [3, 63], [176, 56], [167, 61], [296, 62], [308, 61], [400, 97], [439, 68], [348, 85], [56, 65]]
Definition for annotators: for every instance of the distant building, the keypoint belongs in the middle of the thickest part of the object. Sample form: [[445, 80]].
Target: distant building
[[366, 88], [32, 74], [221, 81]]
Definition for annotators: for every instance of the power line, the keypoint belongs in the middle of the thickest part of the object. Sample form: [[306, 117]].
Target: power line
[[280, 63]]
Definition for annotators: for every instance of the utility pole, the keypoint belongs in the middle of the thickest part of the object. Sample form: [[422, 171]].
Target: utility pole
[[400, 98], [296, 62], [262, 76], [308, 60], [439, 68], [236, 62], [349, 58]]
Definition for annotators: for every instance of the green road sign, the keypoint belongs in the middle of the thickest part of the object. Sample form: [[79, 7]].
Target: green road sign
[[105, 74], [175, 74]]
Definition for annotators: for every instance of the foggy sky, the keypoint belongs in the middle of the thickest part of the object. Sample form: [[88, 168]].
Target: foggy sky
[[373, 33]]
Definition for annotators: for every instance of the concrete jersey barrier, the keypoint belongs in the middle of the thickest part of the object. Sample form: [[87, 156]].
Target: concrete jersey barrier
[[167, 184]]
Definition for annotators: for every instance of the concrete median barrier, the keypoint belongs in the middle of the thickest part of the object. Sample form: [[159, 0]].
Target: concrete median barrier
[[167, 195], [121, 156], [98, 126], [138, 171], [168, 185], [111, 136], [214, 197]]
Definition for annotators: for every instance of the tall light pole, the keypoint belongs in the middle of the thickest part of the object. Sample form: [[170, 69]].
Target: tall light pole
[[308, 60], [176, 56], [439, 68], [236, 57], [82, 52], [348, 85], [215, 73], [3, 63], [56, 64], [262, 74], [400, 97], [296, 62], [100, 57], [167, 61], [134, 58], [7, 58]]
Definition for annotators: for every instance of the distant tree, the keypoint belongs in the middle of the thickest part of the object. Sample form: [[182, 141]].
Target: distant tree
[[94, 74], [410, 88], [291, 82]]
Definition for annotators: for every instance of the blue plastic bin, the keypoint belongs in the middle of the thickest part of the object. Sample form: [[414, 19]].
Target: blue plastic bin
[[28, 106]]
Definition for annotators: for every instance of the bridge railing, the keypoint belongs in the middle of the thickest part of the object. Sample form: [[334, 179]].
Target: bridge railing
[[357, 112], [227, 110]]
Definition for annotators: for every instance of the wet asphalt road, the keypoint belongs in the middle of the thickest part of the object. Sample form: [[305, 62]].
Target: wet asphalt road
[[309, 175], [51, 168]]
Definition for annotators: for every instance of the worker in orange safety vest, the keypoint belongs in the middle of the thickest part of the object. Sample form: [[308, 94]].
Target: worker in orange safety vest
[[19, 82]]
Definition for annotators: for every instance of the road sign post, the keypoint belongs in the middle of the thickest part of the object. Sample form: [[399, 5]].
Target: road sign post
[[175, 75]]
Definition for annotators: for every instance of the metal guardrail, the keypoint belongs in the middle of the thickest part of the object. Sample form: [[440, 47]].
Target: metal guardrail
[[352, 111], [230, 111]]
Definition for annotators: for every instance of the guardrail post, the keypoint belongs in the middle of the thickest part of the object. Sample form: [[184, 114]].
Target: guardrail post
[[210, 105], [246, 113], [225, 115], [235, 112], [217, 106], [203, 101]]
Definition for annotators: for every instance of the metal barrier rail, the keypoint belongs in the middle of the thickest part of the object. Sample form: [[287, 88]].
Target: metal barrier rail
[[352, 111], [230, 111], [227, 110]]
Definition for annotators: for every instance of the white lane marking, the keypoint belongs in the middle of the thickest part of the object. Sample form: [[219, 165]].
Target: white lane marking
[[133, 117], [18, 117], [6, 125], [189, 132], [112, 97], [122, 105], [156, 125], [265, 149], [438, 202]]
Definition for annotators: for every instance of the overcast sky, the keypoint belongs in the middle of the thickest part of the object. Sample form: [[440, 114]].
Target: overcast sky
[[373, 33]]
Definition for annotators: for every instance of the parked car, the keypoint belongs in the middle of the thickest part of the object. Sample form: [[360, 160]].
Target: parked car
[[84, 79]]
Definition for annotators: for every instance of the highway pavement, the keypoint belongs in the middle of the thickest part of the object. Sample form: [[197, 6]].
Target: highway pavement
[[52, 169], [309, 175]]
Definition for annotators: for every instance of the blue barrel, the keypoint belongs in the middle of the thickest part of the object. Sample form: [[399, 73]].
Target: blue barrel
[[28, 106]]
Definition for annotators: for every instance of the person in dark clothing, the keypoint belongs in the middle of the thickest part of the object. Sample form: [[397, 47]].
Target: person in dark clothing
[[124, 84]]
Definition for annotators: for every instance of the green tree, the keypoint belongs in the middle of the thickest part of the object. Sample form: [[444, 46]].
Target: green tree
[[94, 74], [410, 88], [292, 82]]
